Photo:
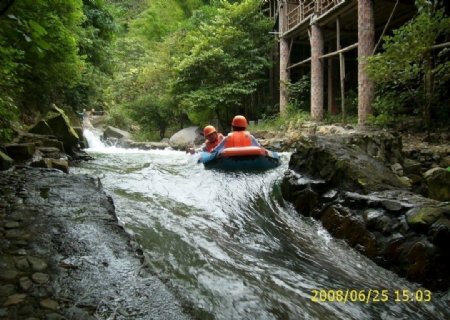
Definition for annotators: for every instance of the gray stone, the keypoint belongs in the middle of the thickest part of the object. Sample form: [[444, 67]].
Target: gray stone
[[186, 137], [422, 217], [57, 121], [411, 166], [11, 224], [20, 151], [25, 283], [40, 278], [37, 264], [8, 275], [15, 299], [112, 132], [438, 184], [7, 290], [22, 263], [49, 304], [391, 205], [5, 161], [54, 316], [397, 169]]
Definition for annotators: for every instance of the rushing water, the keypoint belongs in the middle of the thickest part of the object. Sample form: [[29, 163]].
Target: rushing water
[[231, 248]]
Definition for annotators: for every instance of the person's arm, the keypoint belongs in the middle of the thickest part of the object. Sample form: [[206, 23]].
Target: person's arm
[[220, 146], [254, 141]]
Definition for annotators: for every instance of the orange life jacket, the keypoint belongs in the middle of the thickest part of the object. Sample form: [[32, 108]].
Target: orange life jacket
[[209, 146], [238, 139]]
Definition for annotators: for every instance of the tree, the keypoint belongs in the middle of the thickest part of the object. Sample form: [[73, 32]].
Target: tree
[[409, 74], [223, 61]]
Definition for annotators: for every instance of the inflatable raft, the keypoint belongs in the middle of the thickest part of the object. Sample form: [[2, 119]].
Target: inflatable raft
[[241, 158]]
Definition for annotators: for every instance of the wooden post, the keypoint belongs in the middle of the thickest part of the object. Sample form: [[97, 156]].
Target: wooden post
[[330, 86], [341, 69], [284, 57], [316, 73], [366, 43]]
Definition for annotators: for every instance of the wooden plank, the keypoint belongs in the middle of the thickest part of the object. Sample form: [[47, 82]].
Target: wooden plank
[[335, 53], [299, 63]]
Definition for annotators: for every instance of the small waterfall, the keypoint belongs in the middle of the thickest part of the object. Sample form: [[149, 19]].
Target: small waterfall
[[93, 140]]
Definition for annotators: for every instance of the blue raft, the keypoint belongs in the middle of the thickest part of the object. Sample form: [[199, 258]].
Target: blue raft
[[241, 158]]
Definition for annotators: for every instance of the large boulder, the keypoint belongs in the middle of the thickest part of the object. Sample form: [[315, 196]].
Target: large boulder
[[349, 162], [347, 183], [58, 123], [112, 132], [20, 151], [186, 137], [437, 182]]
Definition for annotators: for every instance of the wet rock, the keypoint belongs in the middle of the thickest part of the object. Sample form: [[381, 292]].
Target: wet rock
[[420, 256], [15, 299], [397, 169], [7, 290], [22, 263], [391, 205], [20, 151], [5, 161], [439, 232], [438, 184], [42, 163], [186, 137], [26, 310], [112, 132], [49, 304], [422, 218], [11, 224], [58, 122], [25, 283], [8, 275], [54, 316], [411, 166], [37, 264], [306, 200], [40, 278], [363, 202]]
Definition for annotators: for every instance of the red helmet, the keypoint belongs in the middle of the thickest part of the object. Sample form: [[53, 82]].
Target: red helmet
[[239, 121], [208, 130]]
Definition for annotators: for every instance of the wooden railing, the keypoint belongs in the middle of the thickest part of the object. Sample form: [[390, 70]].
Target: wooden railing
[[307, 8]]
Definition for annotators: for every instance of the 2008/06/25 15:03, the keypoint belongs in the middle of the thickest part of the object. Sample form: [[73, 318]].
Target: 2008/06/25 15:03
[[370, 295]]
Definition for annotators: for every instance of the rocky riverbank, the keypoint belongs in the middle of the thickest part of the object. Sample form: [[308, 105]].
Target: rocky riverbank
[[64, 256], [388, 202]]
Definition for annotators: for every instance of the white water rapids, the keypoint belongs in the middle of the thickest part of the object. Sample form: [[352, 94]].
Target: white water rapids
[[231, 248]]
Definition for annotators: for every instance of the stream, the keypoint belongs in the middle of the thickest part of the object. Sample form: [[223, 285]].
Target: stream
[[230, 247]]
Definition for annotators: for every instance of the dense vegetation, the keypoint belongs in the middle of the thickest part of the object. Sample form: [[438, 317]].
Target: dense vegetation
[[158, 65], [412, 73]]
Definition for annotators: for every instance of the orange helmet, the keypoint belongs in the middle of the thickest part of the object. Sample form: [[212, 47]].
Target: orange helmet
[[239, 121], [208, 130]]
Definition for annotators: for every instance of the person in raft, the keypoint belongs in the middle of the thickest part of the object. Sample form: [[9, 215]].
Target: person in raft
[[213, 138], [239, 137]]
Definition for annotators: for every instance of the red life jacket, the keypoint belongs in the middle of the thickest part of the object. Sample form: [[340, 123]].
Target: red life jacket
[[238, 139], [209, 146]]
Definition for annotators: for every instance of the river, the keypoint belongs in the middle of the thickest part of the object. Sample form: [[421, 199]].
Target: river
[[230, 247]]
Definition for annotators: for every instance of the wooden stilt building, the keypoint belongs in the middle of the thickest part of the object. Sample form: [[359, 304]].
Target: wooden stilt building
[[330, 39]]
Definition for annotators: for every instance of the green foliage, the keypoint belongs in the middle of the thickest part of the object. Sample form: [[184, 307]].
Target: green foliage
[[224, 61], [300, 93], [292, 117], [409, 75]]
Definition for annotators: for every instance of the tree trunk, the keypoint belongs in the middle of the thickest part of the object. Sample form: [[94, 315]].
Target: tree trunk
[[366, 43]]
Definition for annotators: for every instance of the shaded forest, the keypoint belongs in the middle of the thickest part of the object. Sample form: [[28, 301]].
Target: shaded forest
[[156, 66]]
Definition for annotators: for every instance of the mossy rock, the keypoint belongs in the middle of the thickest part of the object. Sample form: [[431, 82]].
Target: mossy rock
[[57, 123], [423, 217]]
